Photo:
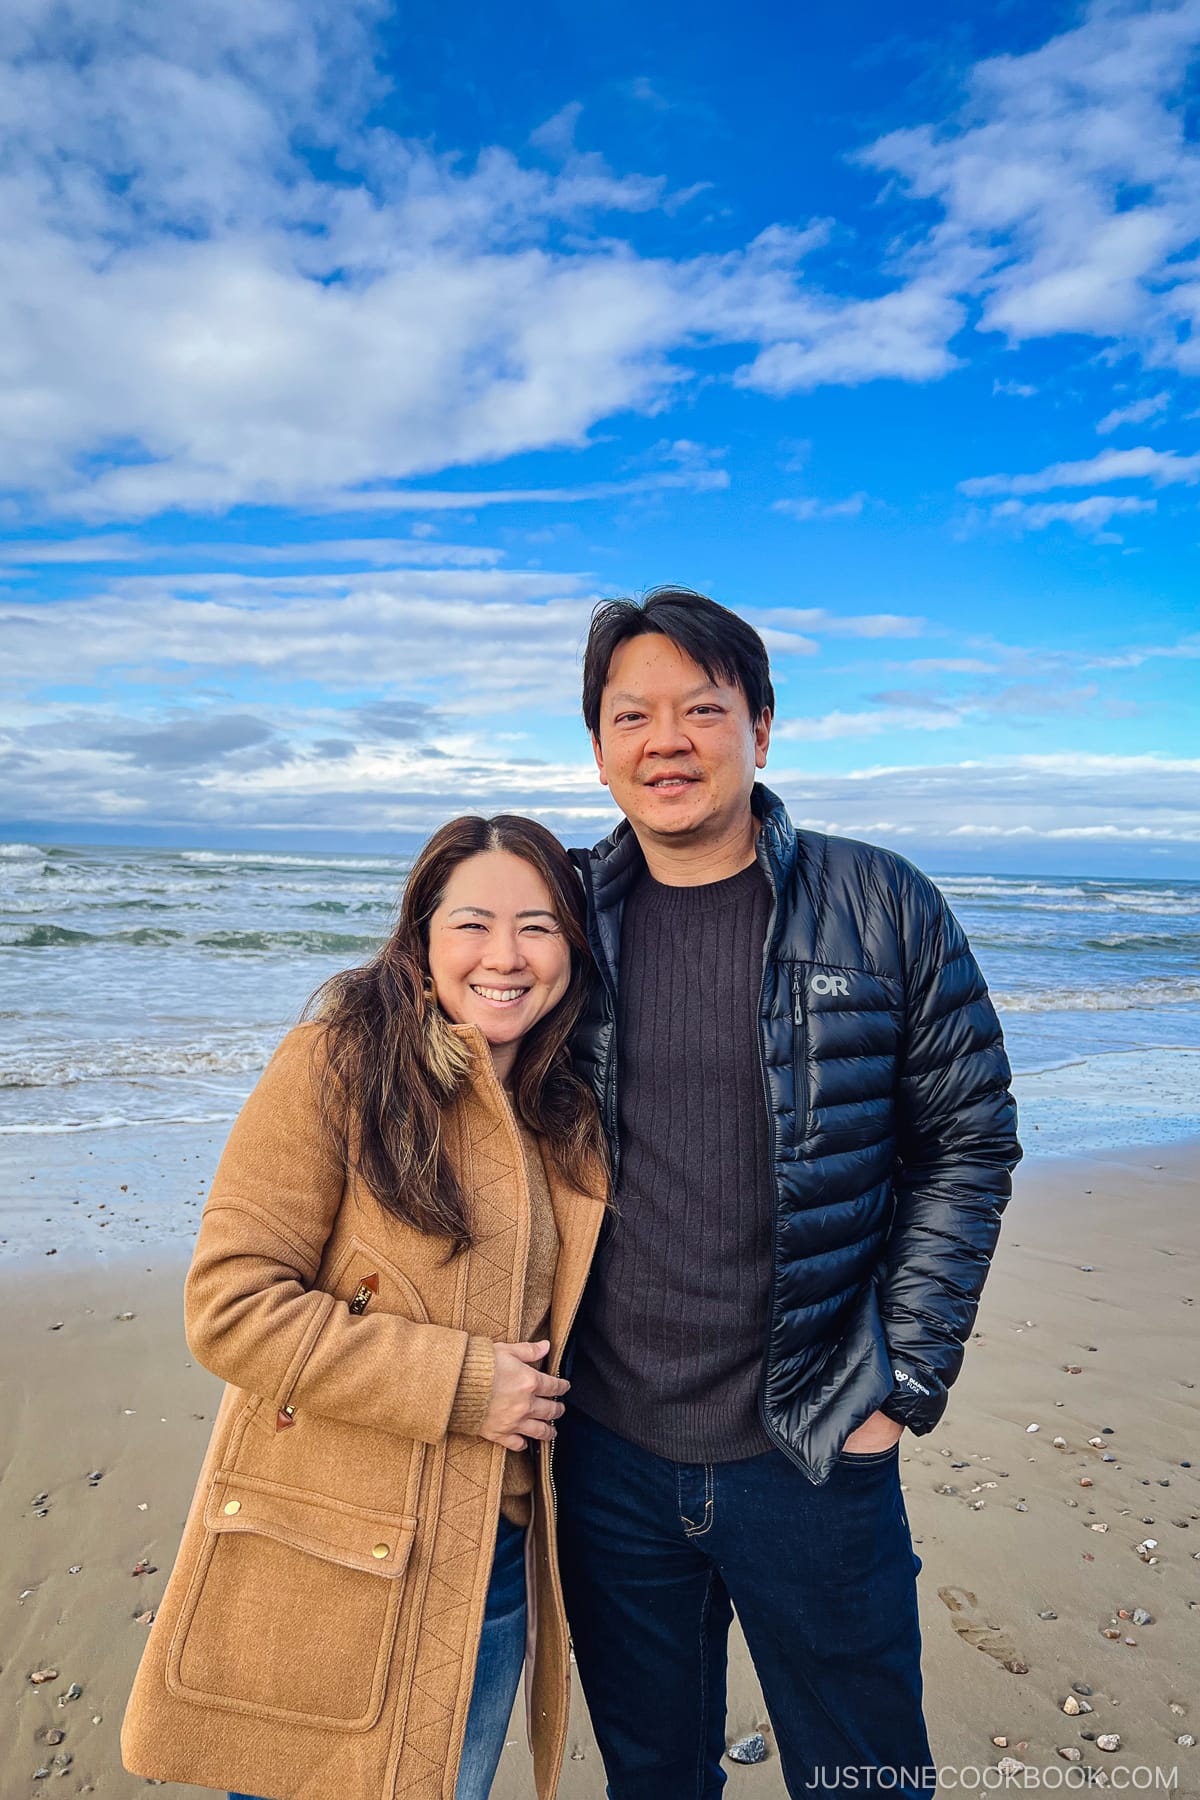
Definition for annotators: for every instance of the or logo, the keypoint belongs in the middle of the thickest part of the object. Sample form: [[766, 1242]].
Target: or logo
[[830, 984]]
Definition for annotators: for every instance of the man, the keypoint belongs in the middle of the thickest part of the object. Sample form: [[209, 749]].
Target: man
[[806, 1093]]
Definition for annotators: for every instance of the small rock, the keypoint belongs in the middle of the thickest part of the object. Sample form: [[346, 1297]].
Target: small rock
[[122, 1317], [1072, 1369], [1141, 1616], [1032, 1428], [143, 1568], [1015, 1666], [1020, 1507], [38, 1676], [62, 1761], [1097, 1443], [144, 1618], [751, 1749], [1178, 1709], [42, 1774], [1070, 1753], [1108, 1740], [1087, 1268], [1001, 1743], [72, 1693], [1110, 1633], [1010, 1765], [1060, 1443], [1099, 1527], [1186, 1742], [1048, 1614], [1071, 1706], [1081, 1687], [53, 1737]]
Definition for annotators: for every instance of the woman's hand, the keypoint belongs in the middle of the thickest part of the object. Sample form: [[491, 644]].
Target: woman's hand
[[524, 1401]]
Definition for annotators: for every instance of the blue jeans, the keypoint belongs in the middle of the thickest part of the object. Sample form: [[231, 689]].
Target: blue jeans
[[497, 1671], [655, 1557]]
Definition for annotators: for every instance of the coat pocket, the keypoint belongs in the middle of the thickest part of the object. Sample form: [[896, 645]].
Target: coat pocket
[[292, 1611]]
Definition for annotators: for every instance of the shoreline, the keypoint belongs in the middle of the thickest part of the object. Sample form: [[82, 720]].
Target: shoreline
[[1088, 1329]]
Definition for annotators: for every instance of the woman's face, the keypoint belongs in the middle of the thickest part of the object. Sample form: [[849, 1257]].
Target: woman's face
[[497, 952]]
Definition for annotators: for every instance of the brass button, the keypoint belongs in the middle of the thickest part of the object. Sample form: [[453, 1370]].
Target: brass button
[[381, 1550], [232, 1506]]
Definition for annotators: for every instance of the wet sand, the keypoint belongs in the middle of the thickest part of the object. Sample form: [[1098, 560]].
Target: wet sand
[[1088, 1330]]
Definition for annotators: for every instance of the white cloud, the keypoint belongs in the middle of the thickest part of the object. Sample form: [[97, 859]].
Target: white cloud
[[816, 618], [1136, 413], [1018, 390], [1068, 184], [1163, 468], [220, 323], [1088, 516], [810, 508], [838, 724]]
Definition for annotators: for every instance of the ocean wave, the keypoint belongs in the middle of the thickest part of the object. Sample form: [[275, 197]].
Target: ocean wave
[[324, 943], [1138, 996], [246, 943], [110, 1122], [59, 1066], [57, 937], [246, 860], [21, 853], [1171, 941]]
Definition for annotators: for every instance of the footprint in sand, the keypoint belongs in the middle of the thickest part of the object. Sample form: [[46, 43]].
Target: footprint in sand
[[973, 1628]]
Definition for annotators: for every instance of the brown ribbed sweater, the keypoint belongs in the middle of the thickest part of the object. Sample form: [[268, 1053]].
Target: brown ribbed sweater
[[674, 1322], [475, 1383]]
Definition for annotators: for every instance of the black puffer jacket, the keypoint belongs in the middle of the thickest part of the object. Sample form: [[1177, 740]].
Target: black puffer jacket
[[893, 1129]]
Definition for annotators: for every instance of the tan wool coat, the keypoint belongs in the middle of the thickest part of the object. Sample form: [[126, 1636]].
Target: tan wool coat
[[319, 1632]]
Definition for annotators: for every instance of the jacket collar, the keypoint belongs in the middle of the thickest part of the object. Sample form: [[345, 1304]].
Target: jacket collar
[[612, 866]]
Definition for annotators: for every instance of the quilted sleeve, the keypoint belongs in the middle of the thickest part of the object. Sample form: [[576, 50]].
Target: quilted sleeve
[[957, 1146]]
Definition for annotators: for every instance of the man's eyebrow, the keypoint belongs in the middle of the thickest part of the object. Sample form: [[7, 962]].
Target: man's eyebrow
[[482, 912], [622, 699]]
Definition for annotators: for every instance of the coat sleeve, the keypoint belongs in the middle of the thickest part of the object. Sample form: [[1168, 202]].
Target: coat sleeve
[[956, 1148], [252, 1312]]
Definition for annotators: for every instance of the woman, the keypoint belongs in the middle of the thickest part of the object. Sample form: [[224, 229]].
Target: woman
[[391, 1255]]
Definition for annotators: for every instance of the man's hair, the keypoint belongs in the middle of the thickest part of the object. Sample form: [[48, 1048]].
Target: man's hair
[[724, 646]]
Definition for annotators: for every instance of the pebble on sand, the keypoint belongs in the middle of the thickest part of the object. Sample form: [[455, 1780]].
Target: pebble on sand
[[752, 1749], [1108, 1740], [38, 1676]]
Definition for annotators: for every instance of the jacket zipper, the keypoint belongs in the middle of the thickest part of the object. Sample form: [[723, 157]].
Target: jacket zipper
[[773, 1140], [799, 1054]]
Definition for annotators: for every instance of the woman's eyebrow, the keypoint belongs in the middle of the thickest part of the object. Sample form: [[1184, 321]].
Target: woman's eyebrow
[[481, 912]]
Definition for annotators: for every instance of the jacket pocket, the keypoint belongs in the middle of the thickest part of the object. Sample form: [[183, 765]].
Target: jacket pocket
[[292, 1610]]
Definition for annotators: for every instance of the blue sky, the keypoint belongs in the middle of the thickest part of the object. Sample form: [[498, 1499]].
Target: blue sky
[[347, 359]]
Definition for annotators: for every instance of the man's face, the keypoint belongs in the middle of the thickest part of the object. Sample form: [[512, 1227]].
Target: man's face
[[677, 751]]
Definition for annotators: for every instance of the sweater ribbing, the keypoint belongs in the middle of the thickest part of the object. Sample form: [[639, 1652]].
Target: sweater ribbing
[[673, 1326]]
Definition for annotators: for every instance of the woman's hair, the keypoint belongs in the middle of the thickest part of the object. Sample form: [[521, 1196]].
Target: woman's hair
[[395, 1064]]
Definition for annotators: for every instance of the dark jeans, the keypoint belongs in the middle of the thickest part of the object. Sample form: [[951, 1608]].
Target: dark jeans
[[655, 1557], [497, 1670]]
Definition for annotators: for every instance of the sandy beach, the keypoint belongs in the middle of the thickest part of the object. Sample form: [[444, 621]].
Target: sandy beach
[[1030, 1539]]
